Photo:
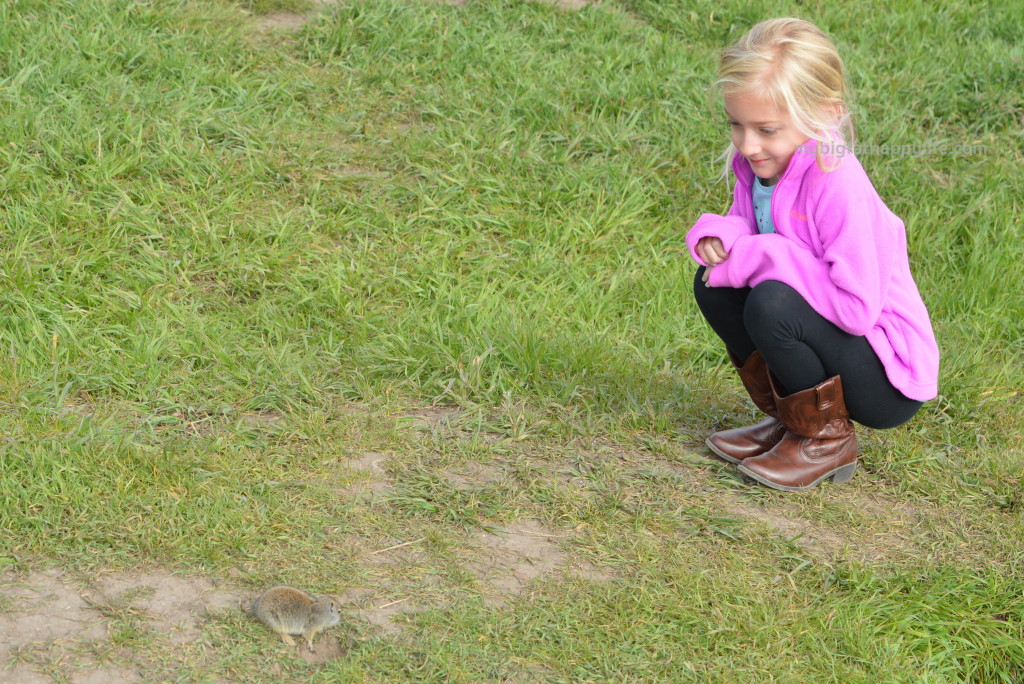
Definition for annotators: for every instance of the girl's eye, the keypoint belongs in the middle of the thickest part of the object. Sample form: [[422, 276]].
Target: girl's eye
[[768, 131], [734, 124]]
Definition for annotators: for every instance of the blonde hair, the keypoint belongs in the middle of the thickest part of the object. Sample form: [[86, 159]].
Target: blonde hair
[[794, 65]]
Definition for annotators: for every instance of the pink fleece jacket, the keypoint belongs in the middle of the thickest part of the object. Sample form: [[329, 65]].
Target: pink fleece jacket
[[839, 246]]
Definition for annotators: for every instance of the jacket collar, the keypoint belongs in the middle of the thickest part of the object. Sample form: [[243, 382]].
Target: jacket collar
[[803, 158]]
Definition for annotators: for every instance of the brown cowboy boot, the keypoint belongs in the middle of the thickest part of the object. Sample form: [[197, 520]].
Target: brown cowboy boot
[[739, 444], [820, 441]]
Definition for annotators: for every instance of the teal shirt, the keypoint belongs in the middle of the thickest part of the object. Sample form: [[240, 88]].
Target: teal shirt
[[763, 206]]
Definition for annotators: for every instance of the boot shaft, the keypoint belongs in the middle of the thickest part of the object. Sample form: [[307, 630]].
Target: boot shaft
[[816, 413], [754, 376]]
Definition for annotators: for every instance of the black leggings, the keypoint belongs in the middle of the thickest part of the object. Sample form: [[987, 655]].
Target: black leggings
[[802, 349]]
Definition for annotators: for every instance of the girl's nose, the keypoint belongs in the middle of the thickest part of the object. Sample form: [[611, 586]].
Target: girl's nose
[[748, 146]]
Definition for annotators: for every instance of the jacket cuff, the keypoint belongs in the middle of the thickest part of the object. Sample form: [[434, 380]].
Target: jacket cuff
[[723, 276], [726, 228]]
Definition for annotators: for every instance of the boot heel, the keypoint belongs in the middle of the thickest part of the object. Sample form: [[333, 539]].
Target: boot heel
[[844, 474]]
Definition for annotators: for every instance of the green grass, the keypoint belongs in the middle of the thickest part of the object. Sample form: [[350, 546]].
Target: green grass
[[232, 259]]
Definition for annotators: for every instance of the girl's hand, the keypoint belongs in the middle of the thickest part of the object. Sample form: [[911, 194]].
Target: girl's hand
[[712, 251]]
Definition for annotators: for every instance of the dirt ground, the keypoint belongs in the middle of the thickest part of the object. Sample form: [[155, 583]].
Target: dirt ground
[[59, 626]]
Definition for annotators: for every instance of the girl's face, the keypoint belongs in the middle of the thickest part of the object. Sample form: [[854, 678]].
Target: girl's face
[[763, 134]]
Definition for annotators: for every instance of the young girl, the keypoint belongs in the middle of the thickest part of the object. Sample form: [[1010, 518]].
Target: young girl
[[806, 279]]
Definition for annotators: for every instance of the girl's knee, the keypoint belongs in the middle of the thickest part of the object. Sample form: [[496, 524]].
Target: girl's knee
[[771, 302]]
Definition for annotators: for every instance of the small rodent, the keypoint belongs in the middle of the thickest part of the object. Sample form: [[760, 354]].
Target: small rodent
[[288, 611]]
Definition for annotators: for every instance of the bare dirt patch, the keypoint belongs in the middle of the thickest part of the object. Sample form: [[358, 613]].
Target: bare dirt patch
[[445, 421], [259, 419], [291, 21], [431, 417], [325, 649], [515, 556], [561, 4], [402, 575], [281, 21], [474, 476], [876, 530], [569, 4], [170, 604], [368, 462], [375, 483], [59, 627], [803, 533], [387, 615]]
